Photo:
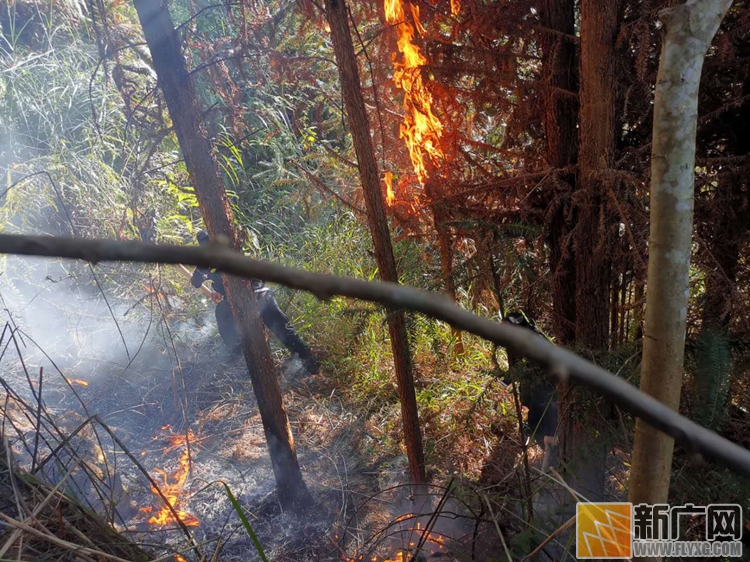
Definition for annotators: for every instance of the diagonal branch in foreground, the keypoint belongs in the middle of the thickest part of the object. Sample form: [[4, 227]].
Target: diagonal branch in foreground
[[560, 363]]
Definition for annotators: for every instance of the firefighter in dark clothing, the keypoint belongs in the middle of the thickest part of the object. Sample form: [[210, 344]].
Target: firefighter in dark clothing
[[535, 392], [272, 315]]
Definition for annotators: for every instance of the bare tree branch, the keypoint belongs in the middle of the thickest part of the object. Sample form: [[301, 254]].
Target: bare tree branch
[[561, 363]]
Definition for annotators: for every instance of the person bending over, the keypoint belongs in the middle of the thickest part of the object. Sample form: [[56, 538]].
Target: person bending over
[[536, 393], [272, 315]]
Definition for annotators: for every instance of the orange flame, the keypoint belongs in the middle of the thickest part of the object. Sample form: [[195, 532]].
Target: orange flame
[[172, 491], [79, 382], [420, 129], [434, 542], [390, 198], [394, 11]]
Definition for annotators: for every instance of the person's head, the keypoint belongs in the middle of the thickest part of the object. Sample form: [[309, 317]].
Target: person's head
[[202, 237]]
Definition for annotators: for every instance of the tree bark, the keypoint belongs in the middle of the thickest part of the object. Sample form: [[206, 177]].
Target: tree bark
[[560, 68], [179, 93], [440, 217], [446, 264], [582, 449], [599, 28], [561, 75], [690, 28], [368, 172]]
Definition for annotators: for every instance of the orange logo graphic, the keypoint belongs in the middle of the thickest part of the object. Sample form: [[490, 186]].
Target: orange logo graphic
[[604, 530]]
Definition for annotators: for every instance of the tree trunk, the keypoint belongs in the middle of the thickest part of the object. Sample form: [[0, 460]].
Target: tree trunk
[[690, 27], [593, 234], [445, 248], [446, 265], [368, 172], [179, 93], [560, 66], [582, 449]]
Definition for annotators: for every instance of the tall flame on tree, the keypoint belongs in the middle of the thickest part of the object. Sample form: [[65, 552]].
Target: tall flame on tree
[[420, 129]]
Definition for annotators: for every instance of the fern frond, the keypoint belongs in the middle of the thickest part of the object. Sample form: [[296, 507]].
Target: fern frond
[[714, 361]]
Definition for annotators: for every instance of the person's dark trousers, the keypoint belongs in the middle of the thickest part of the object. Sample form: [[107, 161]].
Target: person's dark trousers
[[227, 329], [279, 324], [274, 319]]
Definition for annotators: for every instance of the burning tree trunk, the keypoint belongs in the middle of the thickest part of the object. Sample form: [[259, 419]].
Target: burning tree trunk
[[561, 132], [368, 172], [179, 93], [690, 28]]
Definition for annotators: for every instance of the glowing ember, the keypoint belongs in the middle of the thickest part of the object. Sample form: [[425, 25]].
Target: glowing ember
[[434, 543], [390, 198], [172, 486], [79, 382], [420, 129]]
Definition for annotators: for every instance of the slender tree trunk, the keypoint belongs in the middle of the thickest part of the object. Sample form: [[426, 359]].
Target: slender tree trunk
[[599, 28], [638, 306], [614, 307], [368, 172], [560, 65], [690, 28], [184, 109], [624, 293], [445, 248], [446, 264]]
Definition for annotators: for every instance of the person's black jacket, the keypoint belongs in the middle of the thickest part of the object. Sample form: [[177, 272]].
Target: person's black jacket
[[200, 275], [536, 392]]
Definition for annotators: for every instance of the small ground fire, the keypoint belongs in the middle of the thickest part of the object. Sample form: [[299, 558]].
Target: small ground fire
[[174, 490]]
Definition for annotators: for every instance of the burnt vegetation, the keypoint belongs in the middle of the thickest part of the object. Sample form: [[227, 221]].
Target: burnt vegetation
[[496, 153]]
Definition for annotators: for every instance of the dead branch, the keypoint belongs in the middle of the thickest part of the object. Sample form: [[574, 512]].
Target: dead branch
[[562, 364]]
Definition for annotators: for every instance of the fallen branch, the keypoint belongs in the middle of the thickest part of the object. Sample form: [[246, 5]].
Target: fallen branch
[[561, 363]]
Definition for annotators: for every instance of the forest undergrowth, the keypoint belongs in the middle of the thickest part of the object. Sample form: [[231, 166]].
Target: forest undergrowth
[[87, 149]]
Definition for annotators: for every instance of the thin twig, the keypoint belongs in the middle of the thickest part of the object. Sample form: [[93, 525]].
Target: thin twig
[[38, 419], [497, 527], [561, 529], [432, 520], [182, 398], [525, 445]]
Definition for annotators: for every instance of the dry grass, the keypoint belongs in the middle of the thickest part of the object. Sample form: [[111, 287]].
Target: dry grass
[[41, 523]]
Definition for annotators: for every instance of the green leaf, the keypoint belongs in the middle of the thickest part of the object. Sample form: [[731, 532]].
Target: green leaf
[[245, 523], [714, 361]]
